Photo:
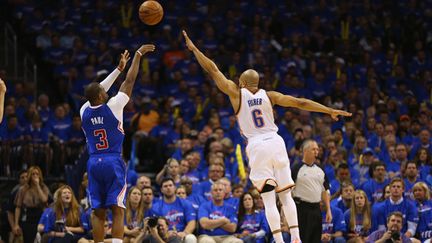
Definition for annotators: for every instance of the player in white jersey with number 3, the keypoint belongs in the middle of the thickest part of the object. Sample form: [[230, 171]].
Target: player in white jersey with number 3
[[268, 159]]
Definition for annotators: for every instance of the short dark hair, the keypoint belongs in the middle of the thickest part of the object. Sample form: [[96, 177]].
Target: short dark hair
[[92, 92], [167, 179], [147, 187], [395, 213]]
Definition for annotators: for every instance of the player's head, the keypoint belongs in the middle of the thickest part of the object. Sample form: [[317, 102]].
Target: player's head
[[249, 79], [95, 94]]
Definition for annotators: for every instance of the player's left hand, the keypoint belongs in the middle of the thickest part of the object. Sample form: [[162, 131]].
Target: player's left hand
[[335, 113], [124, 58], [191, 46]]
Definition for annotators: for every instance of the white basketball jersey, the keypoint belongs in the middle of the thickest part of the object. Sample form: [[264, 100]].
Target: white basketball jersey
[[255, 116]]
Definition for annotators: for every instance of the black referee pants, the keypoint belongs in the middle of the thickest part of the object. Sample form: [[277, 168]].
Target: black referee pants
[[310, 221]]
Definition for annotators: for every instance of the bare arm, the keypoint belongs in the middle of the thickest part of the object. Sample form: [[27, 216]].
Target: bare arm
[[326, 198], [230, 227], [132, 73], [210, 224], [2, 98], [304, 104], [109, 80], [190, 227], [225, 85]]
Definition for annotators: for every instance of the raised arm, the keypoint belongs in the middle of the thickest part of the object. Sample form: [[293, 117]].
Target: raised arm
[[109, 80], [304, 104], [2, 98], [132, 73], [225, 85]]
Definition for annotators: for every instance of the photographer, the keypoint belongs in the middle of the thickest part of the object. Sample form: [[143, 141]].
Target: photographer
[[156, 231], [392, 233]]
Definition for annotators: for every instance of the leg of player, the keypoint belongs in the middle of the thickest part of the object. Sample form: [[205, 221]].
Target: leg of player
[[98, 220], [268, 195], [290, 211], [118, 224]]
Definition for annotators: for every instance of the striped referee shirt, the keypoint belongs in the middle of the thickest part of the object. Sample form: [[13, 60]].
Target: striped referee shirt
[[310, 181]]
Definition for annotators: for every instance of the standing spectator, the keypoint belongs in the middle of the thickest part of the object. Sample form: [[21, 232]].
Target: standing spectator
[[30, 201], [252, 224], [10, 210], [180, 213], [358, 218], [396, 202], [392, 232], [311, 187], [334, 230], [424, 208], [218, 220], [64, 221], [134, 214]]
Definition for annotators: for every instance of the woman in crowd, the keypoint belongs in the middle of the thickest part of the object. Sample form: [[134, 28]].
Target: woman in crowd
[[358, 217], [30, 202], [424, 208], [64, 221], [424, 162], [181, 192], [172, 170], [134, 214], [252, 225]]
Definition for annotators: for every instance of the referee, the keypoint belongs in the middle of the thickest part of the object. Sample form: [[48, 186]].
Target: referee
[[311, 187]]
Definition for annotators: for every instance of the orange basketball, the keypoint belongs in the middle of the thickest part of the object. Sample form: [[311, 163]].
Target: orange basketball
[[150, 12]]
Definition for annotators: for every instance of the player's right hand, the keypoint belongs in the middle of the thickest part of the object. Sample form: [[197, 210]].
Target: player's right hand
[[146, 48], [191, 46], [2, 86], [124, 58], [335, 113]]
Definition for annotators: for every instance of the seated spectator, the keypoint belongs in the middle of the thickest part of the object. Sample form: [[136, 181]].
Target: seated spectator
[[170, 170], [396, 202], [148, 199], [134, 214], [88, 238], [424, 208], [374, 188], [237, 190], [424, 160], [392, 232], [342, 174], [195, 198], [180, 213], [412, 177], [377, 205], [185, 147], [334, 230], [344, 201], [215, 172], [218, 221], [194, 159], [64, 221], [229, 199], [158, 233], [143, 181], [358, 217], [181, 192], [252, 224], [30, 202]]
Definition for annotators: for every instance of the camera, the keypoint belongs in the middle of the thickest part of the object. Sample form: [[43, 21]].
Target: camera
[[152, 222], [395, 235], [59, 225]]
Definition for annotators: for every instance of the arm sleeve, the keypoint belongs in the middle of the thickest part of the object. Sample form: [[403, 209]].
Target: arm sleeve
[[109, 80], [412, 218], [203, 211], [326, 182], [117, 103], [295, 171], [232, 215], [190, 211]]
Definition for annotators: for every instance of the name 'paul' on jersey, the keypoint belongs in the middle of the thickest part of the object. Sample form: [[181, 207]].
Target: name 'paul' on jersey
[[103, 131], [255, 115]]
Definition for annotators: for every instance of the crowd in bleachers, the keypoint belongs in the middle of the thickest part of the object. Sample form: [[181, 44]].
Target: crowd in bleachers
[[372, 58]]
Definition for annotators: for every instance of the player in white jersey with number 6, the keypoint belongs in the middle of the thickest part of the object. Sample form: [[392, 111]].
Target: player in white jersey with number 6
[[268, 159]]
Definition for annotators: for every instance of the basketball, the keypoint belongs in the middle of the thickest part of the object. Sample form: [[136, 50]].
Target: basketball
[[150, 12]]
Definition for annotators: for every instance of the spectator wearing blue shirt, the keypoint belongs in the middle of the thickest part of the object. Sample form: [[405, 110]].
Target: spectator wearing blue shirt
[[411, 177], [134, 214], [195, 198], [424, 207], [424, 142], [148, 201], [179, 212], [229, 199], [333, 231], [344, 200], [252, 224], [358, 218], [396, 202], [423, 160], [170, 170], [377, 205], [194, 159], [218, 220], [64, 221], [374, 187], [342, 174], [215, 172]]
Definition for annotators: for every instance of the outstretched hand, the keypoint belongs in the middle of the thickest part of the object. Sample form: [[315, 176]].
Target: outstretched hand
[[2, 86], [146, 48], [335, 113], [124, 58], [191, 46]]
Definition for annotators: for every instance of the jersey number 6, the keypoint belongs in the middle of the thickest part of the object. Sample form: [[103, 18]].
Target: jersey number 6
[[103, 144], [257, 118]]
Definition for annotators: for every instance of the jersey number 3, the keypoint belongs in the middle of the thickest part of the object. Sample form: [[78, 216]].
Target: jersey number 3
[[103, 142], [257, 118]]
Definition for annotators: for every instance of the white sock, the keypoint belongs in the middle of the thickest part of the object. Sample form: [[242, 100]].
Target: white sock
[[272, 214], [290, 211], [115, 240]]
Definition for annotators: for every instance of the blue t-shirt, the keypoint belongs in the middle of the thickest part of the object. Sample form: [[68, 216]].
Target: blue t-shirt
[[179, 213], [211, 211], [424, 227], [337, 223], [253, 223], [374, 189], [406, 207], [358, 228]]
